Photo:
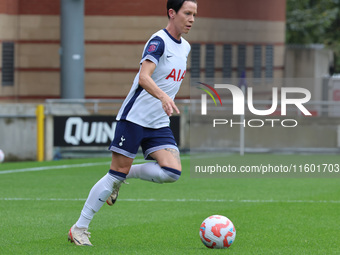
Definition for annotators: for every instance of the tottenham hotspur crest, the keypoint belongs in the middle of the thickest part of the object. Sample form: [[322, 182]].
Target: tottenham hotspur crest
[[122, 139]]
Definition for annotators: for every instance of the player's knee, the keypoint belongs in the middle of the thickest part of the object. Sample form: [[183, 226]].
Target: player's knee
[[170, 174]]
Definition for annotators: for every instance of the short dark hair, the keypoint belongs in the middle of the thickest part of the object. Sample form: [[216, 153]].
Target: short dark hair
[[176, 5]]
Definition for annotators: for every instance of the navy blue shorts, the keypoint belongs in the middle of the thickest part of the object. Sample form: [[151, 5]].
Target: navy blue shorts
[[129, 136]]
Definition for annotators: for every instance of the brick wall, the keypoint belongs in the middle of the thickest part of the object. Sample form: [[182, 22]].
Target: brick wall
[[231, 9], [115, 33], [9, 6]]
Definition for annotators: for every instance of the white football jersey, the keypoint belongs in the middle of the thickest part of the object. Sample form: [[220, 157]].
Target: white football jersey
[[170, 56]]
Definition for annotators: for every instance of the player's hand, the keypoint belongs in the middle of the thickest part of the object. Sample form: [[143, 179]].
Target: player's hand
[[169, 106]]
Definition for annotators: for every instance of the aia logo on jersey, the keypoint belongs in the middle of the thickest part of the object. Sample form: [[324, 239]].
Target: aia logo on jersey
[[176, 75]]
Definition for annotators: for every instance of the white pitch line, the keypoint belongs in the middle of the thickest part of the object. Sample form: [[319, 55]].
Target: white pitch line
[[181, 200], [45, 168], [40, 199]]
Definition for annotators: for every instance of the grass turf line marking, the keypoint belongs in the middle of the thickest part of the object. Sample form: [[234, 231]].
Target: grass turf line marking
[[45, 168], [180, 200]]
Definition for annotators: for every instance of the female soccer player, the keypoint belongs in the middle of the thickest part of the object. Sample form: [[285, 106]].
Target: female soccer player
[[143, 119]]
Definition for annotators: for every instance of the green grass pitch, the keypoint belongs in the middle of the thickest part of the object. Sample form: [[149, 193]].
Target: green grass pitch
[[271, 215]]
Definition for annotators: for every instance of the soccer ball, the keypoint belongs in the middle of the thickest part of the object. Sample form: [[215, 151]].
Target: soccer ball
[[217, 232], [2, 156]]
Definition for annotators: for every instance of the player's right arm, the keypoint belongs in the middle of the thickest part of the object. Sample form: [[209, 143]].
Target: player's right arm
[[147, 83]]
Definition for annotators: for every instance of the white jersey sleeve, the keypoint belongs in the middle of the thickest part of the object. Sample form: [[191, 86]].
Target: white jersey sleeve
[[170, 56]]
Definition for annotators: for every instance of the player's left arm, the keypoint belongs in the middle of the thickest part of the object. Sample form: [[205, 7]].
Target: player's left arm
[[146, 81]]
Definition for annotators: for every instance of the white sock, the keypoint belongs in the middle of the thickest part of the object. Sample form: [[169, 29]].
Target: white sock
[[97, 197], [154, 173]]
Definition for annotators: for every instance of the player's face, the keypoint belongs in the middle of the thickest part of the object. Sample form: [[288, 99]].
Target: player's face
[[185, 17]]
